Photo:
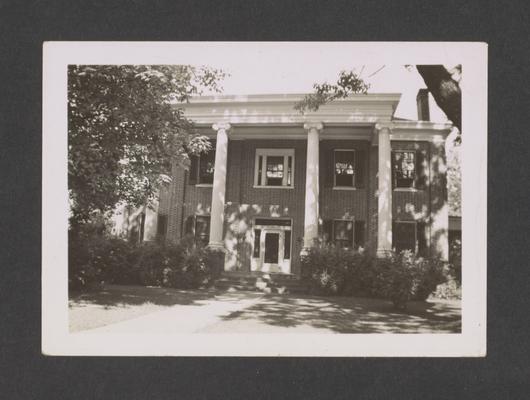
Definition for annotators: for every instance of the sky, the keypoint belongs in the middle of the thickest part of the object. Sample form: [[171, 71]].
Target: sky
[[266, 75]]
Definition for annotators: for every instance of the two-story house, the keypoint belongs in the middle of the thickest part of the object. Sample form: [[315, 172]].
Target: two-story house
[[277, 180]]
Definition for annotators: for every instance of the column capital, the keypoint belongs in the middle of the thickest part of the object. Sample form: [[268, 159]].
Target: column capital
[[221, 126], [383, 126], [313, 125]]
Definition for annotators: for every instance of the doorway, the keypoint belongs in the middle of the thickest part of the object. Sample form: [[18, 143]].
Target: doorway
[[272, 246]]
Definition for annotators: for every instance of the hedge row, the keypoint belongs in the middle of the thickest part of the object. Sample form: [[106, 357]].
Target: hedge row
[[93, 260], [399, 277]]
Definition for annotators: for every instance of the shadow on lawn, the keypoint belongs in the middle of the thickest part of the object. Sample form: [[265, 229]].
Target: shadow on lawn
[[112, 296], [348, 315], [337, 314]]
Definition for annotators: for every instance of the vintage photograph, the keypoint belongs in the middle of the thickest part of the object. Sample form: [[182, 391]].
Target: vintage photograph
[[277, 197]]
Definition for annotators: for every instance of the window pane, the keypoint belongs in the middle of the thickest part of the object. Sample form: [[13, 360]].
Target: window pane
[[274, 172], [287, 248], [202, 229], [343, 233], [257, 233], [289, 170], [404, 236], [404, 168], [344, 168], [206, 167], [260, 166]]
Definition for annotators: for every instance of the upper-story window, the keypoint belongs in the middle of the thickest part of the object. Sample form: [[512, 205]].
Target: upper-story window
[[274, 168], [404, 168], [344, 164], [202, 167]]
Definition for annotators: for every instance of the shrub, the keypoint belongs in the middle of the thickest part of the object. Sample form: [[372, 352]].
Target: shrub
[[450, 290], [402, 277], [332, 270], [455, 260], [198, 267], [95, 259], [81, 272]]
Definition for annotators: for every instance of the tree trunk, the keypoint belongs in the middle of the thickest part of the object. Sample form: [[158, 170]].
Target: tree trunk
[[445, 90]]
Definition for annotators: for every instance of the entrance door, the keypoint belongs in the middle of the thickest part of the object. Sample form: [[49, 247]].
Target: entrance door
[[272, 250]]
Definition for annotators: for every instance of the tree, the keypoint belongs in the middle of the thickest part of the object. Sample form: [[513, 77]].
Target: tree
[[443, 83], [124, 131], [444, 86]]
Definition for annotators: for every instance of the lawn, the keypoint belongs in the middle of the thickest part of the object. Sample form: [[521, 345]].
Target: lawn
[[114, 308]]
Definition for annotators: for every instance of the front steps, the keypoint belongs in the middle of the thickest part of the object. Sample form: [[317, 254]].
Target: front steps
[[262, 282]]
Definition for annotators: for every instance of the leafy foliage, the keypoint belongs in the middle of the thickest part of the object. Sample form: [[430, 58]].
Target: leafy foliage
[[403, 276], [454, 178], [96, 259], [400, 277], [124, 131], [349, 82]]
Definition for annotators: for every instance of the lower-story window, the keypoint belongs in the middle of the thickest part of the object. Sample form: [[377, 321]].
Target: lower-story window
[[343, 233], [346, 233], [202, 229], [411, 235], [404, 236], [161, 227], [198, 226]]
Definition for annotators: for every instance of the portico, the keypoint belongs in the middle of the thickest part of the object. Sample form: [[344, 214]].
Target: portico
[[269, 167]]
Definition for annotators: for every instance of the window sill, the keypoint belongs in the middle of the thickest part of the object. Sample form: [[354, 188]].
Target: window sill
[[272, 187], [406, 190], [204, 185], [344, 188]]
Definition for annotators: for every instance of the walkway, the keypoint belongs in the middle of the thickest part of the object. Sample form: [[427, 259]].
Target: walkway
[[121, 309]]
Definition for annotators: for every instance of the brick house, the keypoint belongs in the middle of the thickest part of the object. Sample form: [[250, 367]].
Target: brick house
[[276, 180]]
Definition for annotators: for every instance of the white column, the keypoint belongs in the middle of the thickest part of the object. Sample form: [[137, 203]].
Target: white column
[[217, 211], [384, 197], [311, 184]]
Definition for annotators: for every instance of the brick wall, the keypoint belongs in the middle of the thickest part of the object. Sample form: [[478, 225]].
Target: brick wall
[[244, 202]]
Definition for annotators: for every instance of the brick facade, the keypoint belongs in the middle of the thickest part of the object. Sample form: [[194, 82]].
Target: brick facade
[[182, 200]]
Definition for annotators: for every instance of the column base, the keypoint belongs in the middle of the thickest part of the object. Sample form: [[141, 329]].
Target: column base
[[217, 246], [382, 253]]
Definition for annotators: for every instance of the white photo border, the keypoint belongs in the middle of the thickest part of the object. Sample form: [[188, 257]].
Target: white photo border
[[56, 338]]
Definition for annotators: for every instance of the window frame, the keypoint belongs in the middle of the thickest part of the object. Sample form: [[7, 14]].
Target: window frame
[[394, 178], [264, 153], [416, 245], [353, 186], [195, 219], [263, 228], [200, 158], [333, 240]]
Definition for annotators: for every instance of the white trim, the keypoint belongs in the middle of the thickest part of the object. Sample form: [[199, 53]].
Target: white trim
[[267, 109], [264, 153], [258, 263], [204, 185], [354, 170], [407, 189], [272, 187]]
